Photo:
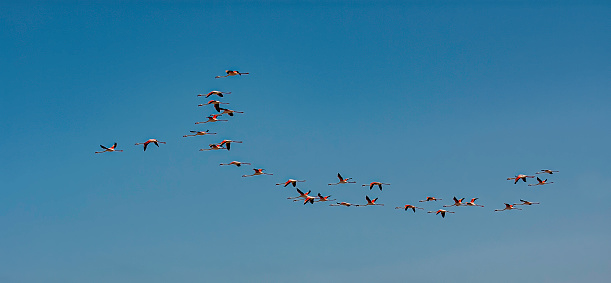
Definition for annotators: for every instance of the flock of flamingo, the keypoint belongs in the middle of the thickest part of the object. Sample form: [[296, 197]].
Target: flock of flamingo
[[306, 197]]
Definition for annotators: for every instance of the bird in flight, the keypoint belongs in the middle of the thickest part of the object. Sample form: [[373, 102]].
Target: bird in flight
[[257, 173], [370, 202], [213, 146], [227, 143], [429, 199], [442, 211], [546, 171], [236, 163], [472, 203], [518, 177], [370, 185], [540, 182], [408, 206], [212, 118], [290, 182], [323, 198], [343, 203], [216, 103], [199, 133], [342, 180], [301, 195], [231, 73], [214, 92], [525, 202], [508, 207], [108, 149], [229, 112], [146, 143], [457, 202]]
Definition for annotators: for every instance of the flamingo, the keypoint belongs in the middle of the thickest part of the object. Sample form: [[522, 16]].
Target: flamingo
[[508, 207], [343, 203], [290, 181], [370, 202], [212, 118], [108, 149], [370, 185], [146, 143], [408, 206], [309, 199], [323, 198], [457, 202], [342, 180], [541, 182], [214, 92], [442, 211], [229, 112], [257, 173], [228, 143], [231, 73], [429, 199], [544, 171], [518, 177], [213, 146], [472, 203], [301, 195], [216, 104], [199, 133], [236, 163], [525, 202]]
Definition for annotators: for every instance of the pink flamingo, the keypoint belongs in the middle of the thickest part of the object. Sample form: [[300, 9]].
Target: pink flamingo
[[199, 133], [146, 143], [370, 202], [408, 206], [546, 171], [525, 202], [229, 112], [323, 198], [541, 182], [108, 149], [457, 202], [227, 143], [212, 118], [375, 184], [442, 211], [214, 92], [342, 180], [472, 203], [301, 195], [212, 146], [236, 163], [518, 177], [257, 173], [216, 104], [290, 182], [508, 207], [429, 199], [231, 73], [343, 203]]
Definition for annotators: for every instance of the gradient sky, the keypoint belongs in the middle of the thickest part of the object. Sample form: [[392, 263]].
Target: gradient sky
[[441, 98]]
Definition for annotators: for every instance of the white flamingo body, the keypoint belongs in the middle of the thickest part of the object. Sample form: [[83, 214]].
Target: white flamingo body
[[342, 180], [472, 203]]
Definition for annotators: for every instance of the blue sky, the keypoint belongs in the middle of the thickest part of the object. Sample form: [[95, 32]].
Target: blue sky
[[442, 98]]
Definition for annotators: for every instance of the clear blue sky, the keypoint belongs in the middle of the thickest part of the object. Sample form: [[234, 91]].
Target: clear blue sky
[[441, 98]]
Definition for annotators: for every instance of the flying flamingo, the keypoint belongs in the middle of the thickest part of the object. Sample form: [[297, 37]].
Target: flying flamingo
[[229, 112], [472, 203], [370, 202], [408, 206], [216, 104], [231, 73], [343, 203], [146, 143], [213, 146], [236, 163], [108, 149], [541, 182], [442, 211], [508, 207], [457, 202], [301, 195], [214, 92], [429, 199], [290, 182], [518, 177], [370, 185], [227, 143], [212, 118], [199, 133], [544, 171], [525, 202], [342, 180], [257, 173], [309, 199], [323, 198]]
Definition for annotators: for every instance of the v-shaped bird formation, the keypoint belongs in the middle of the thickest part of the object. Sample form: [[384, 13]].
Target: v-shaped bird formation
[[225, 144]]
